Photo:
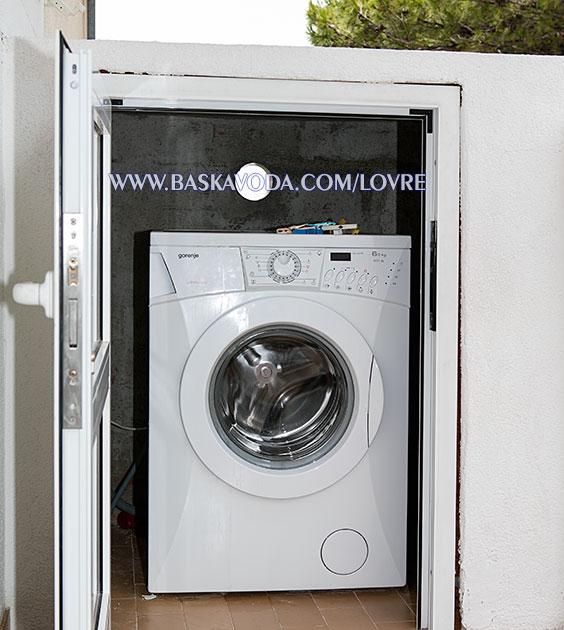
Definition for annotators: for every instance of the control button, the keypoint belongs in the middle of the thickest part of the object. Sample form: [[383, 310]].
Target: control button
[[374, 281], [351, 277], [339, 277], [328, 275], [362, 279]]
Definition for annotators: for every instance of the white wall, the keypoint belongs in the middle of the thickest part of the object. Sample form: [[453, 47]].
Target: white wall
[[26, 339], [512, 297], [21, 18], [18, 18]]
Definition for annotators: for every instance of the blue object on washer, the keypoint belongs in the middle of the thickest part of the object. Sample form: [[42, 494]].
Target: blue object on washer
[[312, 228]]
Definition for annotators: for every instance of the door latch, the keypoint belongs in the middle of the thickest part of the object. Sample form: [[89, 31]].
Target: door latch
[[72, 271]]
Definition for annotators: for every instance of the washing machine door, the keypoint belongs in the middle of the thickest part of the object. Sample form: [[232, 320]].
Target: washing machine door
[[279, 397]]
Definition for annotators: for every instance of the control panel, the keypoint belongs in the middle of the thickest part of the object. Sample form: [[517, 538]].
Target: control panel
[[296, 267], [377, 273], [381, 273]]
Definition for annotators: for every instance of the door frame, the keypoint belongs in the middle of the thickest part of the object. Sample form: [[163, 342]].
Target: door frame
[[82, 355], [442, 105]]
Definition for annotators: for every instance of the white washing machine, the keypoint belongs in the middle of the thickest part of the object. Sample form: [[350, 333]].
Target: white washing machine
[[278, 411]]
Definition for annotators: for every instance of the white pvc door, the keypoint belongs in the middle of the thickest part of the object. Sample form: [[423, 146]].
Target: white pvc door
[[82, 351]]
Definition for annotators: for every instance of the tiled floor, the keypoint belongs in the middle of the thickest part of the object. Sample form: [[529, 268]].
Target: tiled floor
[[383, 609]]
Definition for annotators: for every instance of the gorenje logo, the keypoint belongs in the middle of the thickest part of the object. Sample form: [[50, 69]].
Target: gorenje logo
[[193, 255]]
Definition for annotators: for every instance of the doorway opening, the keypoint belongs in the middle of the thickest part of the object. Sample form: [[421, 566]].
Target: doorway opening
[[149, 140]]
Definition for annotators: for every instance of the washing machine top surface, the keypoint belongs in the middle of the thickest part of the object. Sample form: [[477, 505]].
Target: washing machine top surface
[[191, 264]]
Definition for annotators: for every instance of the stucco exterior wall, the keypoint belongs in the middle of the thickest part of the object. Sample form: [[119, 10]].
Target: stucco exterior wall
[[512, 300], [26, 377], [17, 18], [21, 18]]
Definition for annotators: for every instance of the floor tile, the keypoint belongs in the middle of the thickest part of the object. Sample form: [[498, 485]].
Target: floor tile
[[124, 614], [121, 537], [122, 564], [385, 606], [248, 602], [161, 622], [335, 599], [296, 609], [120, 623], [161, 605], [261, 620], [123, 606], [122, 586], [348, 619], [409, 595], [139, 571], [367, 609], [209, 613], [192, 596]]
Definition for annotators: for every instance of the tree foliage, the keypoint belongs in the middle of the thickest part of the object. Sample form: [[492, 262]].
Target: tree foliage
[[507, 26]]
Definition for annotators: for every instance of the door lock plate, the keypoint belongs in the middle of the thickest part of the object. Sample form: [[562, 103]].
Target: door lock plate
[[71, 318]]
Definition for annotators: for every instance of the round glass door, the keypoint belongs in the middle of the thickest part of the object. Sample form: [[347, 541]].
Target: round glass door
[[281, 397]]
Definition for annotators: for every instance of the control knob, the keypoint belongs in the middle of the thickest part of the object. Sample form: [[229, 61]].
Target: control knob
[[284, 266]]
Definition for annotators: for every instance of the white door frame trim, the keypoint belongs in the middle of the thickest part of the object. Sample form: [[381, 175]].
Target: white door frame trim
[[180, 92]]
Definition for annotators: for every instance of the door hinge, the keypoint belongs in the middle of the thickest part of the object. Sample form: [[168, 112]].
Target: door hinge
[[433, 278]]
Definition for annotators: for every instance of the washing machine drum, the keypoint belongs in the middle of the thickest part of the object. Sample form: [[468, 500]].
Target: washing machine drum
[[280, 397]]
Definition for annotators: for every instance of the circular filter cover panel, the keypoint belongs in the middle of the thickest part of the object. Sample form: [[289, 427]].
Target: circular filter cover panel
[[344, 551]]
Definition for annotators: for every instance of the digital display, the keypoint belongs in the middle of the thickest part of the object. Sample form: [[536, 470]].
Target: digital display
[[340, 256]]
